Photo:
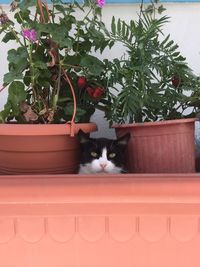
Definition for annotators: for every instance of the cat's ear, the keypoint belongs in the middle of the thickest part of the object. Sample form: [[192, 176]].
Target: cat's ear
[[123, 140], [83, 137]]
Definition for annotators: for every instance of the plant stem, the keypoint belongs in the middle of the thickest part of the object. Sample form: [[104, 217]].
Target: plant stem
[[78, 30], [16, 37], [3, 87], [53, 11], [57, 91], [32, 71]]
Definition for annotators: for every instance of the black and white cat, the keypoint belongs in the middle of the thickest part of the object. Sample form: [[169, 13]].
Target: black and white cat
[[102, 155]]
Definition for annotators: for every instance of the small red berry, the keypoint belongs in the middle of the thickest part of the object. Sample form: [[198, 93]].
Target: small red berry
[[90, 91], [81, 82], [98, 92], [176, 81]]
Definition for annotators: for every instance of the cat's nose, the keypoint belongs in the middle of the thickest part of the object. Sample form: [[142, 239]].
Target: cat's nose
[[103, 165]]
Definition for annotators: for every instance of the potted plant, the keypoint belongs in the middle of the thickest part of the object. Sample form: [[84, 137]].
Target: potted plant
[[156, 91], [54, 83]]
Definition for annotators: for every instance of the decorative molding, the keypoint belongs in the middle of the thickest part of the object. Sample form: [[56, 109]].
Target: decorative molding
[[117, 228]]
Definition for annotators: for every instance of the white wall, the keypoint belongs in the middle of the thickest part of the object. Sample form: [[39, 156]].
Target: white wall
[[183, 27]]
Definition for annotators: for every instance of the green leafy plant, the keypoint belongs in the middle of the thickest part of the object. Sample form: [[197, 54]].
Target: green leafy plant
[[53, 64], [154, 79]]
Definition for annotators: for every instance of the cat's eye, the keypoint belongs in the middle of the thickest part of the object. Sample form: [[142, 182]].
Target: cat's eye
[[94, 154], [112, 155]]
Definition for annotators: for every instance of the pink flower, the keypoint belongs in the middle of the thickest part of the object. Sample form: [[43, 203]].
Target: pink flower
[[101, 3], [29, 34]]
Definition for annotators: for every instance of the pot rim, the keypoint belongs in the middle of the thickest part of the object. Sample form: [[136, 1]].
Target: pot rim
[[13, 129], [155, 123]]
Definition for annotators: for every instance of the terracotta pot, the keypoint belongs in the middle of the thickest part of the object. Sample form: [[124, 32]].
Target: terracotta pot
[[160, 147], [39, 148], [129, 220]]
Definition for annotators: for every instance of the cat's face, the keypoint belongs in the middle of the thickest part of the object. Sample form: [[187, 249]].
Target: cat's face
[[102, 155]]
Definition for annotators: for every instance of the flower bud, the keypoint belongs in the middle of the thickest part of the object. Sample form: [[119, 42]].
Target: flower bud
[[81, 82], [90, 91], [4, 18], [176, 81], [98, 92]]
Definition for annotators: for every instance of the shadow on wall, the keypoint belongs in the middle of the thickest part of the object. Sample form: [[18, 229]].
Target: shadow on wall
[[103, 126]]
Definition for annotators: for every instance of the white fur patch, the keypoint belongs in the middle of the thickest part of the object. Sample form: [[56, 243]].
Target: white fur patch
[[100, 165]]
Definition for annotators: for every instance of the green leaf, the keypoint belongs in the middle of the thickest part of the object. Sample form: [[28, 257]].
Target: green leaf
[[11, 76], [60, 8], [40, 65], [149, 9], [176, 54], [127, 33], [111, 43], [161, 9], [58, 32], [119, 26], [169, 44], [63, 41], [5, 112], [8, 36], [165, 40], [113, 26], [69, 109], [123, 29], [16, 93], [72, 60], [21, 17], [17, 64], [18, 57], [173, 48], [93, 64], [24, 4], [43, 77]]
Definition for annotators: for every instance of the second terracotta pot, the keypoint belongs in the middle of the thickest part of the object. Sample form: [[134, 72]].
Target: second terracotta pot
[[160, 147]]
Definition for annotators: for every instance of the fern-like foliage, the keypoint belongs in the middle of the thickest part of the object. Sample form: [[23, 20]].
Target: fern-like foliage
[[145, 75]]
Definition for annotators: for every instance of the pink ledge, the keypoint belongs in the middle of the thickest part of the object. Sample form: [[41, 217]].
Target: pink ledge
[[101, 221]]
